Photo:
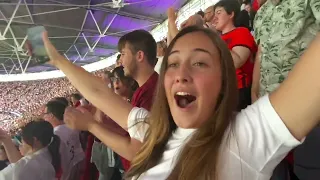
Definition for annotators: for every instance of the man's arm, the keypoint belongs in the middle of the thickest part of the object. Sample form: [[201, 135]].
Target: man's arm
[[91, 87], [123, 145], [256, 77], [240, 55], [297, 100]]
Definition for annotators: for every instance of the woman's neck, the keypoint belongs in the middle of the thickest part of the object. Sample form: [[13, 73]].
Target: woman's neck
[[35, 149]]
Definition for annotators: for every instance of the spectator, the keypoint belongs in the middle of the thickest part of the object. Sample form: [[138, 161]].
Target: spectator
[[71, 151], [278, 36], [21, 101], [118, 61], [247, 7], [241, 44], [201, 13], [161, 49], [138, 56], [193, 122], [105, 159], [42, 159], [62, 100], [107, 78], [75, 99], [209, 17]]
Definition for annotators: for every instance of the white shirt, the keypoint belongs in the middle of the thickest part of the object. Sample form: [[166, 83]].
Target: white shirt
[[258, 142], [70, 147], [35, 166], [157, 67]]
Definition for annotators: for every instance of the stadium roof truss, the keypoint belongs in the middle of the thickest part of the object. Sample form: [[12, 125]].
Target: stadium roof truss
[[85, 31]]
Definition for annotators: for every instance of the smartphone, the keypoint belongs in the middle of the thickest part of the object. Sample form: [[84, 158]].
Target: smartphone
[[39, 52], [17, 140]]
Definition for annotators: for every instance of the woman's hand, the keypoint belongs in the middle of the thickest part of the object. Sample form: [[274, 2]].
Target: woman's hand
[[4, 137]]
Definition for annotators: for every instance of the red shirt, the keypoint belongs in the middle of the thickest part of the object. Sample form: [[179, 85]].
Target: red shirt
[[143, 97], [255, 5], [242, 37]]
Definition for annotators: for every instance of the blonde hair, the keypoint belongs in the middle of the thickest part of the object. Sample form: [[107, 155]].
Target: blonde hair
[[199, 157]]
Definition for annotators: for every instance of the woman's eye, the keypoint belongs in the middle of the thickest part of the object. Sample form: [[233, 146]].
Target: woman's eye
[[172, 65], [200, 64]]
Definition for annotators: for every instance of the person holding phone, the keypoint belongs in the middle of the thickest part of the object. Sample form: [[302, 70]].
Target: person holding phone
[[41, 158]]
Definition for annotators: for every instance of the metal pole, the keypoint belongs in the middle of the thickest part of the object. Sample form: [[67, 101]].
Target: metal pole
[[4, 68], [94, 20], [28, 11], [83, 22], [24, 71], [14, 13], [17, 54], [12, 68], [107, 28], [77, 51], [85, 39]]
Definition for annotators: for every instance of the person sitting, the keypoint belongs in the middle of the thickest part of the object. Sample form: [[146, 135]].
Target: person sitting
[[41, 158]]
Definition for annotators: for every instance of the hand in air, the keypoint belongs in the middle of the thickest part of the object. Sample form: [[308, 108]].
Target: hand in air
[[4, 137], [79, 119], [172, 15], [52, 52]]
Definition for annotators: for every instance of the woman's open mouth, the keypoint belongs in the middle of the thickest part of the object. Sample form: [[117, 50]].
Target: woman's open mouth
[[183, 99]]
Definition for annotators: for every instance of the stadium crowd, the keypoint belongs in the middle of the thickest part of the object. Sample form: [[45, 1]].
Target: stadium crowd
[[214, 100]]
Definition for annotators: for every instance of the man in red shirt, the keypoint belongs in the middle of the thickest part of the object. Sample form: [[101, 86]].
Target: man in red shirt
[[241, 44], [138, 56], [132, 46]]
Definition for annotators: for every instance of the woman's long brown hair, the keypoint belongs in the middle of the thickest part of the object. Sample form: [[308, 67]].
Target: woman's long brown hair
[[199, 157]]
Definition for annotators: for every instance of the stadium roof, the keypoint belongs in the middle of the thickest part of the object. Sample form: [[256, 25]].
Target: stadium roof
[[84, 30]]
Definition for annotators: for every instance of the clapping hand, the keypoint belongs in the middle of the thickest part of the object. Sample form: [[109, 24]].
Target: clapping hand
[[80, 118]]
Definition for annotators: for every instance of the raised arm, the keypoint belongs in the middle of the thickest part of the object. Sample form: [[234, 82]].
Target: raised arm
[[256, 77], [11, 150], [172, 27], [81, 119], [90, 86], [297, 100]]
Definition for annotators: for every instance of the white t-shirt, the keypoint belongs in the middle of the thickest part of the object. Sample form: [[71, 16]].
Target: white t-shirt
[[35, 166], [70, 147], [258, 142]]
